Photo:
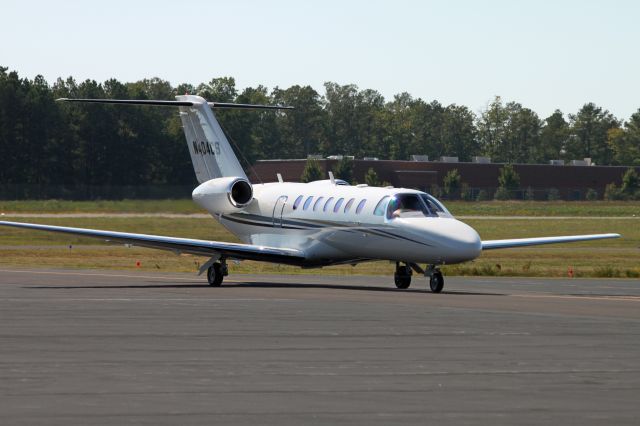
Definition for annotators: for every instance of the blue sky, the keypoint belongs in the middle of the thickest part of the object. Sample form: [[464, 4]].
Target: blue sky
[[543, 54]]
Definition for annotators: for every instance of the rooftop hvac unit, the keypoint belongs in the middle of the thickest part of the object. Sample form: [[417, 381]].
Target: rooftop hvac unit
[[448, 159], [370, 158], [556, 162], [481, 160], [578, 163], [341, 157], [419, 158], [314, 157]]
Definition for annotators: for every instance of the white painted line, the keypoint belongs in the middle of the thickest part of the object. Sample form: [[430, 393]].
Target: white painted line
[[585, 297], [144, 299], [92, 274]]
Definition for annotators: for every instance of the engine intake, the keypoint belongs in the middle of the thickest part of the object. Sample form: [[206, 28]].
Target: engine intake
[[224, 195], [241, 193]]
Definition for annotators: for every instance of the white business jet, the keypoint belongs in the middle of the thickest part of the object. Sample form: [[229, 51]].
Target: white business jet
[[321, 223]]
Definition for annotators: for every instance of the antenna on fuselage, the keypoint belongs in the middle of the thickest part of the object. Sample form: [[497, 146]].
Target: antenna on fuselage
[[279, 178], [331, 178]]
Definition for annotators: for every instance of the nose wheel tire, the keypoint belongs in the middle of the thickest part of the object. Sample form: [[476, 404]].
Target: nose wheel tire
[[215, 274], [402, 277], [436, 282]]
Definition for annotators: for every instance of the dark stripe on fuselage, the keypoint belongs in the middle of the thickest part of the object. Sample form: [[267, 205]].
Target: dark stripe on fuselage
[[254, 223], [265, 221]]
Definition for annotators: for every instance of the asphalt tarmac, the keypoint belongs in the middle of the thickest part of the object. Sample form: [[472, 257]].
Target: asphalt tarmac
[[113, 348]]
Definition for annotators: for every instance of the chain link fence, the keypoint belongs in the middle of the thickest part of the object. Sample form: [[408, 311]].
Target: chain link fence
[[93, 192]]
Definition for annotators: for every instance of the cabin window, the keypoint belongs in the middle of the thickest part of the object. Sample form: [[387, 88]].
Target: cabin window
[[316, 206], [349, 204], [306, 203], [379, 210], [338, 204], [360, 206], [327, 205], [297, 202]]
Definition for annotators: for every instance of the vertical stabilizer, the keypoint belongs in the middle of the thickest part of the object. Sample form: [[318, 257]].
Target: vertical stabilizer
[[211, 153]]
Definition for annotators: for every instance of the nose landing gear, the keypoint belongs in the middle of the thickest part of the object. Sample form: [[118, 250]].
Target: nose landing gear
[[436, 281]]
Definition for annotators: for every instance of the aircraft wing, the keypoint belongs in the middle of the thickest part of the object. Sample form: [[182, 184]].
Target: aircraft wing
[[523, 242], [179, 245]]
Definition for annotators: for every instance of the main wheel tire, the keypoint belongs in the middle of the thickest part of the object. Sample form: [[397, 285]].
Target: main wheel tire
[[402, 281], [215, 275], [402, 277], [436, 282]]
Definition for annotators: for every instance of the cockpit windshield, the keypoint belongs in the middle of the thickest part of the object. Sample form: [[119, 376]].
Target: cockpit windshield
[[415, 205], [435, 206]]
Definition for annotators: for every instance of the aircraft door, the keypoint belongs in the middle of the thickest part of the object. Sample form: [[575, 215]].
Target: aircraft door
[[278, 210]]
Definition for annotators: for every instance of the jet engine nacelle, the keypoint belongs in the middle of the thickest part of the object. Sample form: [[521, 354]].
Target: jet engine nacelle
[[224, 195]]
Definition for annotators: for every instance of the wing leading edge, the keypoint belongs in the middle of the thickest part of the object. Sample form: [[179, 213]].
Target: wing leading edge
[[523, 242], [179, 245]]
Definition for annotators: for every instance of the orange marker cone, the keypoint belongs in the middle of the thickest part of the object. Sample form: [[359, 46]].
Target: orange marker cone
[[138, 263], [570, 271]]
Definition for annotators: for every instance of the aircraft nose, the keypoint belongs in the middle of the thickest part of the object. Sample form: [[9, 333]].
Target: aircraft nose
[[467, 241], [460, 241], [450, 240]]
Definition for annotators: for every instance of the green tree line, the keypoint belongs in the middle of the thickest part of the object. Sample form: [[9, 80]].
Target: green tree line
[[47, 142]]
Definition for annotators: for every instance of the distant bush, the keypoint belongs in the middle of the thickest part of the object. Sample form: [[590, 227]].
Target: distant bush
[[451, 183], [465, 192], [502, 194], [344, 170], [371, 178], [553, 194], [592, 194], [508, 178], [629, 190], [436, 191], [612, 193], [509, 181], [630, 184], [529, 195], [482, 196], [311, 172]]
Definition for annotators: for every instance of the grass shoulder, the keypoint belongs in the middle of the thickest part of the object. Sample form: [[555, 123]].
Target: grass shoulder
[[458, 208], [545, 208], [179, 206]]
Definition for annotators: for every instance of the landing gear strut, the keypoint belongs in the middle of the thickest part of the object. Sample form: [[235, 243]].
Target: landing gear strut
[[217, 272], [402, 277]]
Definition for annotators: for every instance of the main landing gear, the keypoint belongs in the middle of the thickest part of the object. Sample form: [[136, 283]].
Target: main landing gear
[[402, 276], [216, 273]]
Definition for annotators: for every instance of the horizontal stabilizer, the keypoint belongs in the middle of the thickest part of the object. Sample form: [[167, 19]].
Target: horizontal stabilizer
[[246, 106], [172, 103], [128, 101], [524, 242]]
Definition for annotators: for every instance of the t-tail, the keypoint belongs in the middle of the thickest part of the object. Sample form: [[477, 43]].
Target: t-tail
[[211, 153], [224, 186]]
